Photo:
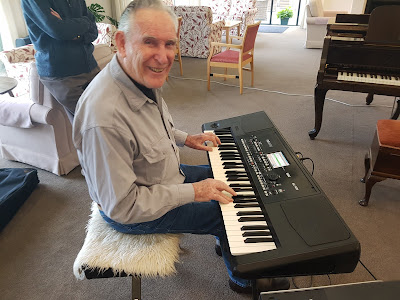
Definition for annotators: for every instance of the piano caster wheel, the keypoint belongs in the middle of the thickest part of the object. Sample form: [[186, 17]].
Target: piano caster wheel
[[362, 180], [363, 202], [312, 133]]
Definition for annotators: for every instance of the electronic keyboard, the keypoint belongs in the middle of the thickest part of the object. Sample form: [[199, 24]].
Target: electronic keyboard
[[280, 223]]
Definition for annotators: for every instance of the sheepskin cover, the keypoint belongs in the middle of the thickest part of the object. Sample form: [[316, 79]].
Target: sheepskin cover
[[149, 255]]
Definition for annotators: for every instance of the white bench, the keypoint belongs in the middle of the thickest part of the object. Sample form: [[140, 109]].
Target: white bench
[[109, 253]]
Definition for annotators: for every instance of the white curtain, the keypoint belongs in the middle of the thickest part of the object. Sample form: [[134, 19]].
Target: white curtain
[[118, 7], [12, 23]]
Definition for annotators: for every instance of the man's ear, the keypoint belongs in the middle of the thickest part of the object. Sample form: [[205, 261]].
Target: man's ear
[[120, 42]]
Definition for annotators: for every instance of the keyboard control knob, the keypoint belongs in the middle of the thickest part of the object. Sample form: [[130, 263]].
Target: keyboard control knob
[[272, 176]]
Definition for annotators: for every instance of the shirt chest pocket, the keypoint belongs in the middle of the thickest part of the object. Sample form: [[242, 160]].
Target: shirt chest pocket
[[157, 158]]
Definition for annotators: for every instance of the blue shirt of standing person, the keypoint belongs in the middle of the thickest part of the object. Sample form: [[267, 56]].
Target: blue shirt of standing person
[[62, 32]]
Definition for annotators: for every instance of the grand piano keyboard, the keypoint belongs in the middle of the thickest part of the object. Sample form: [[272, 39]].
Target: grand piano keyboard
[[369, 78]]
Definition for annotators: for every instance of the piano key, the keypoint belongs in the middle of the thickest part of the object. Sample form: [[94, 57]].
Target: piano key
[[259, 240], [254, 227], [251, 219], [249, 212], [257, 233]]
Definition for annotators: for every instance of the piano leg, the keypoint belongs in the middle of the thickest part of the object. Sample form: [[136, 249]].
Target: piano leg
[[319, 101], [369, 98], [396, 113]]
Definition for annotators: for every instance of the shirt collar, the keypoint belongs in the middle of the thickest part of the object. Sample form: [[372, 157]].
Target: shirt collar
[[135, 97]]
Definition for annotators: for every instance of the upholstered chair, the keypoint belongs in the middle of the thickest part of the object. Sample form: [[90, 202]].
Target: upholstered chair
[[197, 30], [317, 19], [34, 129]]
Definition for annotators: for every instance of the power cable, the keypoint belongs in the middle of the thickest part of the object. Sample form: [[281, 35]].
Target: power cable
[[286, 94]]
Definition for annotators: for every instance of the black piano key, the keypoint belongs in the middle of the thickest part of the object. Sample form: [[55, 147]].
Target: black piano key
[[245, 201], [230, 158], [239, 174], [249, 213], [251, 219], [257, 233], [222, 131], [238, 178], [243, 197], [259, 240], [246, 205], [242, 189], [233, 166], [254, 227], [232, 185]]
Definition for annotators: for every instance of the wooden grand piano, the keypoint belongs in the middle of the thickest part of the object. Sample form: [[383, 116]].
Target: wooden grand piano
[[361, 53]]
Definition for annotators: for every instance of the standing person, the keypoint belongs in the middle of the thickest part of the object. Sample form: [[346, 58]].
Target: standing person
[[62, 32], [128, 145]]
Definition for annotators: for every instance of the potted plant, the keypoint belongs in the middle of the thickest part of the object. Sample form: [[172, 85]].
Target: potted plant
[[285, 15], [98, 11]]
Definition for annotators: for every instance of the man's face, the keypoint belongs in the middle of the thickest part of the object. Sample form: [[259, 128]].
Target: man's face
[[149, 50]]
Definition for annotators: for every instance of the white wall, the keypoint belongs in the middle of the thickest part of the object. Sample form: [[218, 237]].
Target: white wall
[[337, 5], [353, 6], [358, 6]]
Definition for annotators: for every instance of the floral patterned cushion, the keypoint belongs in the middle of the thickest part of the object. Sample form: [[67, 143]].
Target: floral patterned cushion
[[197, 30], [106, 35], [17, 64], [243, 10]]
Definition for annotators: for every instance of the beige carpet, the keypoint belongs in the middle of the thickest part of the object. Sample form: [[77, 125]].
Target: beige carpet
[[39, 246]]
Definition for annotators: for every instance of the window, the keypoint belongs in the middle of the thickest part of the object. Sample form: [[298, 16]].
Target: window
[[2, 69]]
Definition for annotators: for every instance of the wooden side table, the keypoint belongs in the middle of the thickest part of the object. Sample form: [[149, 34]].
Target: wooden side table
[[7, 84], [228, 26]]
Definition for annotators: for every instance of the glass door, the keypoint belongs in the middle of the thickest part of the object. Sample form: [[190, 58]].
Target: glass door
[[268, 11]]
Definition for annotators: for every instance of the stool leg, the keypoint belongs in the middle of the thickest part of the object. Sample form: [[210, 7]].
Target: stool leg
[[136, 288], [370, 181], [367, 166], [396, 113]]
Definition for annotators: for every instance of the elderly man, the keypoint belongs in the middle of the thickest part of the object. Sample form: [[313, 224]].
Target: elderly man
[[128, 145]]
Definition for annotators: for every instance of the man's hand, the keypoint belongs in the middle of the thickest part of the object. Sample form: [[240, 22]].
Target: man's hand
[[197, 141], [211, 189], [54, 13]]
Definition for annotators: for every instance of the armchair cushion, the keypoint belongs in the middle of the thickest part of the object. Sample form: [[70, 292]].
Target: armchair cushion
[[15, 111]]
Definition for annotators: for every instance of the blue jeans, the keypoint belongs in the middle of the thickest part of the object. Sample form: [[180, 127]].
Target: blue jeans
[[194, 217]]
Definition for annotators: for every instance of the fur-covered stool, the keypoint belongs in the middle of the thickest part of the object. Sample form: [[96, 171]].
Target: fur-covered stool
[[109, 253]]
